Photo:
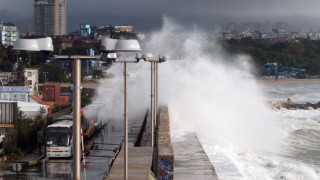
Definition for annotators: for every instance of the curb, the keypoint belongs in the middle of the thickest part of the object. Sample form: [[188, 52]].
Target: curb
[[31, 162], [34, 162]]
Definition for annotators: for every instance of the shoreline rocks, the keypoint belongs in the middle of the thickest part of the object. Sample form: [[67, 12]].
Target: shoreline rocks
[[288, 104]]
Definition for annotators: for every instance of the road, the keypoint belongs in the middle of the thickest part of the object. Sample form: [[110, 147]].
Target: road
[[98, 157]]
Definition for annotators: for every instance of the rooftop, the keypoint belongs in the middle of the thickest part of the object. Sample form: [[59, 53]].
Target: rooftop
[[7, 24], [63, 123]]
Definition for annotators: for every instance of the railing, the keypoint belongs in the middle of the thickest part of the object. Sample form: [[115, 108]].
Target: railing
[[142, 129], [64, 111]]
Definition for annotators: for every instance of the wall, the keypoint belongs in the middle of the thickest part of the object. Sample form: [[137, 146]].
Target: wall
[[165, 164]]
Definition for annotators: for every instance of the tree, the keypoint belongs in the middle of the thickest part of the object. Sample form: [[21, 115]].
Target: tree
[[6, 66], [54, 73]]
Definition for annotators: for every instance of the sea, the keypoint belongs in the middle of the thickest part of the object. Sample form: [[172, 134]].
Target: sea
[[295, 155]]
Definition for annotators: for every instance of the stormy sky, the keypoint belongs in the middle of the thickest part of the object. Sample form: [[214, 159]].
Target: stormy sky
[[146, 15]]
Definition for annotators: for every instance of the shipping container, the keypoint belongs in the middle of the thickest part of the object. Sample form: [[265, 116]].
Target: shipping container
[[8, 113], [69, 96], [51, 92]]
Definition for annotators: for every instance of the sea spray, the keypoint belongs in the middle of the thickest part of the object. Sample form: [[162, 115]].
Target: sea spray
[[217, 97], [210, 93], [110, 94]]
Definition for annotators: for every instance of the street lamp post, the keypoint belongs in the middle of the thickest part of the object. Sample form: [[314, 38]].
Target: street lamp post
[[152, 103], [76, 118], [45, 77], [17, 53], [157, 90], [76, 109], [154, 87], [45, 44], [111, 46]]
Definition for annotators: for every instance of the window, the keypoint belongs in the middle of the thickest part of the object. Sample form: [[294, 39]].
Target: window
[[29, 82], [29, 74]]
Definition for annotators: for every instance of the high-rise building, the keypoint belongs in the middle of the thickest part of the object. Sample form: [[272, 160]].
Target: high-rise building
[[282, 26], [8, 34], [266, 27], [49, 17]]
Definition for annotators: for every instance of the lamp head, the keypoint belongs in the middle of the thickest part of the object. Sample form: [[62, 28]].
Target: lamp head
[[147, 56], [45, 44], [120, 45], [108, 44], [138, 56], [130, 45], [112, 56], [41, 44], [26, 45], [163, 58]]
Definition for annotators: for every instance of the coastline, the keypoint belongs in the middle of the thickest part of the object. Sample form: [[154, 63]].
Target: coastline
[[285, 81]]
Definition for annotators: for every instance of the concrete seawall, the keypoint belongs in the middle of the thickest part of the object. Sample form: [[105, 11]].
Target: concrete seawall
[[180, 159], [165, 159]]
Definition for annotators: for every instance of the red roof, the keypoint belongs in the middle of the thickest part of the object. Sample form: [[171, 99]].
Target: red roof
[[41, 102]]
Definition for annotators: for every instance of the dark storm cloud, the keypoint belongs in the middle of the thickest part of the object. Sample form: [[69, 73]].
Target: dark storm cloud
[[147, 14]]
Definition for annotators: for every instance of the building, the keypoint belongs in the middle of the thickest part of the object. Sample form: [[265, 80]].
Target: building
[[119, 29], [31, 78], [266, 27], [5, 77], [104, 31], [299, 35], [246, 34], [85, 30], [231, 26], [247, 27], [229, 35], [15, 93], [63, 41], [314, 36], [282, 26], [9, 34], [49, 17], [304, 28]]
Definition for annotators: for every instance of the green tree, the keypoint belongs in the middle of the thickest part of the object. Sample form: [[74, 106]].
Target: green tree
[[53, 73]]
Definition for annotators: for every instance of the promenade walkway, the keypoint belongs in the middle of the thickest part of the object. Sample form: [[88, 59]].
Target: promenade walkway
[[191, 162], [139, 164]]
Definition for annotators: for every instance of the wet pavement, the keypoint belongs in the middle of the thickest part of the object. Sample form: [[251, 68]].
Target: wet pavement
[[100, 156], [102, 150]]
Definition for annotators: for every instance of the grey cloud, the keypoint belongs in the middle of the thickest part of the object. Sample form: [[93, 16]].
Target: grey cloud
[[148, 13]]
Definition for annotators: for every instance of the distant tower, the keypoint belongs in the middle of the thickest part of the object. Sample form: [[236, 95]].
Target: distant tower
[[49, 17]]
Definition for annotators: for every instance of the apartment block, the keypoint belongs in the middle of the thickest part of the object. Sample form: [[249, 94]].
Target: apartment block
[[49, 17], [8, 34]]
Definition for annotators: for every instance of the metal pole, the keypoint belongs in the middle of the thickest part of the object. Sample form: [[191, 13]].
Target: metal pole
[[29, 58], [125, 120], [76, 119], [18, 52], [152, 104], [156, 93]]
